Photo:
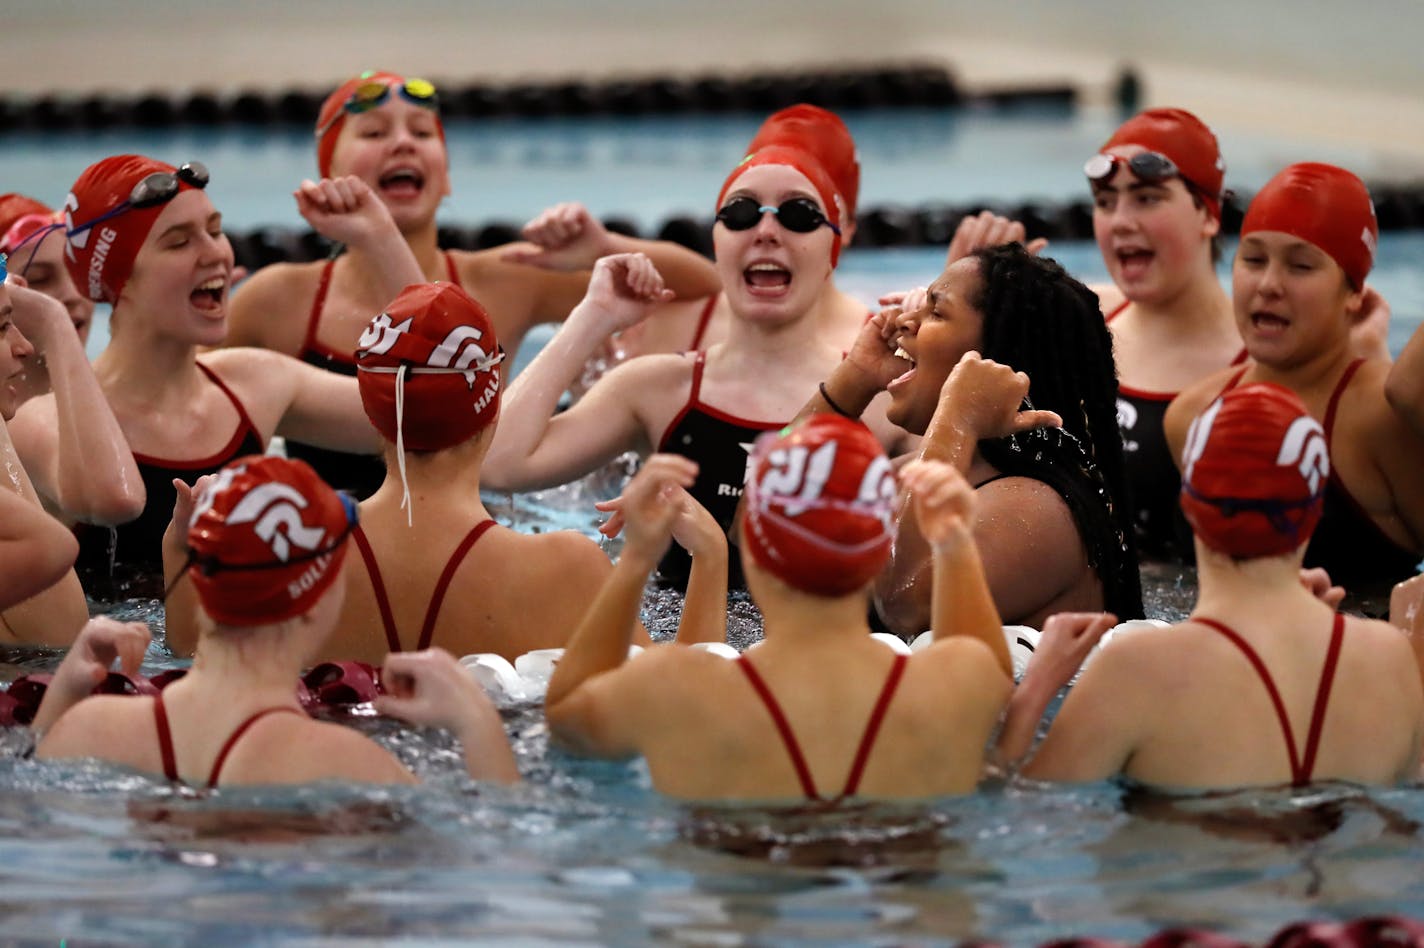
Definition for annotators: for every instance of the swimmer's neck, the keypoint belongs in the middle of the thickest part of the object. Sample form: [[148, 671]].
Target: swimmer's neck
[[148, 367], [811, 621], [1255, 587], [260, 665], [1313, 378], [1201, 310], [447, 480], [781, 341]]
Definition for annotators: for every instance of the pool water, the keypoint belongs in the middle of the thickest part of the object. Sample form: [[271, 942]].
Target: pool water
[[585, 852]]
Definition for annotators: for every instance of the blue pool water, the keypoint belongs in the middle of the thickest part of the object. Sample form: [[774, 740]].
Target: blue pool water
[[585, 853]]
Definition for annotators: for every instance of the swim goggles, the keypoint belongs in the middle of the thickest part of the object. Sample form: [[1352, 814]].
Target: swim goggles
[[152, 190], [1148, 165], [34, 228], [374, 93], [210, 565], [1284, 516], [799, 215]]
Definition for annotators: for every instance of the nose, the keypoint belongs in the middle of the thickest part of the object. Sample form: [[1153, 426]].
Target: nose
[[20, 347], [768, 226], [1271, 275]]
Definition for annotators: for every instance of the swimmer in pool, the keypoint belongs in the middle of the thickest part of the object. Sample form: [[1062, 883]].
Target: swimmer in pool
[[267, 540], [777, 239], [28, 233], [385, 130], [686, 324], [998, 327], [145, 237], [1298, 284], [1264, 684], [1157, 186], [430, 566], [819, 710]]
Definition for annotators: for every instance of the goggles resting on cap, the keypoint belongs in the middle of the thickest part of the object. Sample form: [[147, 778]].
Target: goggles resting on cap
[[374, 93], [152, 190]]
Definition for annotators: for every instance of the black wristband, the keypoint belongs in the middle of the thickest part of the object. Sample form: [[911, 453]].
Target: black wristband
[[825, 396]]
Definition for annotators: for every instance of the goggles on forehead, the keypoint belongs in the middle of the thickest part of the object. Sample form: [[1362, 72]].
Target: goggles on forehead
[[152, 190], [1148, 165], [211, 565], [374, 93], [799, 215]]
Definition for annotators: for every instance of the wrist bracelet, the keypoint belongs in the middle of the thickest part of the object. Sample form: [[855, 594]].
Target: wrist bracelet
[[825, 396]]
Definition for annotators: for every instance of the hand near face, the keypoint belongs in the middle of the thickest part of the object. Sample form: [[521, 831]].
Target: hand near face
[[987, 229], [564, 237], [984, 398], [344, 209], [623, 289]]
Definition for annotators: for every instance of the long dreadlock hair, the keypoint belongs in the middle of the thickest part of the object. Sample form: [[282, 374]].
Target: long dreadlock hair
[[1041, 321]]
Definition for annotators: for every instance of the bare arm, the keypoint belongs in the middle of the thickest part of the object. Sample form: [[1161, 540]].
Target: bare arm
[[70, 442], [533, 448], [324, 409], [36, 551], [180, 606], [429, 688], [600, 644], [1404, 387], [101, 643]]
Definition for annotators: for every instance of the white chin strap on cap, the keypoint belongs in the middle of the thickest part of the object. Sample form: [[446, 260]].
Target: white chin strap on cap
[[406, 505]]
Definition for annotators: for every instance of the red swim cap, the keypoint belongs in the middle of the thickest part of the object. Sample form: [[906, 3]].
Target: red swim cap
[[332, 115], [820, 505], [832, 204], [268, 538], [449, 389], [1325, 205], [20, 217], [1254, 472], [823, 135], [1185, 139], [101, 258]]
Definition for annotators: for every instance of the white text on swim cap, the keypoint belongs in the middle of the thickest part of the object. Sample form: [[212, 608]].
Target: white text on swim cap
[[378, 337], [797, 476], [96, 262], [1304, 447], [275, 506], [459, 351]]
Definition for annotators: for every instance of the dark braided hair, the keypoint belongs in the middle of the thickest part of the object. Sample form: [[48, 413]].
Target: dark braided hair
[[1044, 323]]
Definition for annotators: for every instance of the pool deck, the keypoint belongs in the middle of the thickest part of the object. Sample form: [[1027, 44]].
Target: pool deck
[[1297, 70]]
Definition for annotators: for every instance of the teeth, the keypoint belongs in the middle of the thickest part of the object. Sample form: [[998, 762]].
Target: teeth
[[765, 266], [216, 283], [900, 353]]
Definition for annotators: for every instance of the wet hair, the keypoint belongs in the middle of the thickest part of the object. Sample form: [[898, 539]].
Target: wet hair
[[1041, 321]]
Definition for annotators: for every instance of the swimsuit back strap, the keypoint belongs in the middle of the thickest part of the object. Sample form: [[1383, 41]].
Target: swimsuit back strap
[[1334, 403], [872, 727], [236, 403], [1322, 697], [432, 611], [703, 320], [236, 736], [783, 727], [318, 303], [451, 269], [1297, 774], [1233, 381], [165, 738], [1117, 311], [383, 602], [1241, 357]]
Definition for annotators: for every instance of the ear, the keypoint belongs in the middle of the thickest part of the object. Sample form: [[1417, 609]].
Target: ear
[[1211, 226]]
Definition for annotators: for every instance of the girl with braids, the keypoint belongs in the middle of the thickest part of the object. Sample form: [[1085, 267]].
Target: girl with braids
[[1051, 521]]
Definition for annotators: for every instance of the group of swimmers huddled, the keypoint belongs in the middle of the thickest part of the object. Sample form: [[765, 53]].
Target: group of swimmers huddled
[[996, 448]]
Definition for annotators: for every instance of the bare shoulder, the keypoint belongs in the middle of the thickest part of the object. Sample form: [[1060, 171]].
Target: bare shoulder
[[964, 660], [99, 726], [1109, 296], [320, 750], [1190, 402], [266, 307]]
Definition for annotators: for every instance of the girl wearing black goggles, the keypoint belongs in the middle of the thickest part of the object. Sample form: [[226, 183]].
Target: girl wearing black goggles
[[799, 215]]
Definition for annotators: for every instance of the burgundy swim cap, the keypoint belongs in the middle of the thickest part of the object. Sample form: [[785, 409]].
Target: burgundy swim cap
[[101, 258], [1185, 139], [268, 538], [429, 368], [332, 115], [832, 204], [1325, 205], [822, 134], [820, 505], [1254, 471]]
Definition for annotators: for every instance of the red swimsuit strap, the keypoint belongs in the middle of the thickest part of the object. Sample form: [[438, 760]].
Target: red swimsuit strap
[[432, 612], [872, 727], [236, 735], [1322, 696], [1233, 381], [783, 727], [703, 320], [383, 602], [1334, 402], [309, 343], [165, 738], [1117, 311], [236, 403], [451, 269], [699, 362], [1265, 675]]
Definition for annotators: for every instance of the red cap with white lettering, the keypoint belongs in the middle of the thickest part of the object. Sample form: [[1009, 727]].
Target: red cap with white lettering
[[267, 539], [1254, 472], [820, 505]]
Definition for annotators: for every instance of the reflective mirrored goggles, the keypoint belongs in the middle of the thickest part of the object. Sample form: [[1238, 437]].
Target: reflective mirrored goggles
[[374, 93], [152, 190], [211, 565], [799, 215], [1148, 165]]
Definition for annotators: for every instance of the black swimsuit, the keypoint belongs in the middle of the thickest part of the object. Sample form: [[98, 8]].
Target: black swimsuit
[[721, 444], [138, 544]]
